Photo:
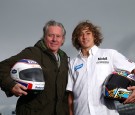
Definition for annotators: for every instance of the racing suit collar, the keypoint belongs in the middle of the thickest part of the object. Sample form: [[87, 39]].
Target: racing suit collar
[[92, 51]]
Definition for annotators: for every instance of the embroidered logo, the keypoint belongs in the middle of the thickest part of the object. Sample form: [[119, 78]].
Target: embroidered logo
[[130, 61], [102, 60], [78, 67]]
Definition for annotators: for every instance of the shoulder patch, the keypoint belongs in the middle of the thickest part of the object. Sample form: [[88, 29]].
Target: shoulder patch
[[78, 67]]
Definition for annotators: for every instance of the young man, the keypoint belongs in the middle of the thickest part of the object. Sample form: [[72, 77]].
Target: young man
[[53, 100], [88, 71]]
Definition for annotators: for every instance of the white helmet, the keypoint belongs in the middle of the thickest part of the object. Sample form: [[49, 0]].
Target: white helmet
[[28, 73]]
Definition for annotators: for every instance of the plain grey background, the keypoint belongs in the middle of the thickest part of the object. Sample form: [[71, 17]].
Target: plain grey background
[[21, 23]]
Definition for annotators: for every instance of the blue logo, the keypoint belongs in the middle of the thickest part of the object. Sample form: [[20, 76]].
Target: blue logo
[[78, 67], [28, 61], [14, 71]]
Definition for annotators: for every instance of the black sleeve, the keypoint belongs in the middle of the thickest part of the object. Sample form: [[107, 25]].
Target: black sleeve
[[6, 82]]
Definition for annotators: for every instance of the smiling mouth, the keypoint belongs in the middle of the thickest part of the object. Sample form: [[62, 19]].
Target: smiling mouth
[[85, 41], [54, 44]]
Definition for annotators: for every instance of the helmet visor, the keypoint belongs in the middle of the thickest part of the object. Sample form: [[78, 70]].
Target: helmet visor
[[33, 74]]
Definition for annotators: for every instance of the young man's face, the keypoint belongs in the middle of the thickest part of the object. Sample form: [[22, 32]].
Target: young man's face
[[54, 38], [86, 39]]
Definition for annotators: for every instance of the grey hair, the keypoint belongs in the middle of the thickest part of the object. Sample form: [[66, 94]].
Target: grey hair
[[53, 23]]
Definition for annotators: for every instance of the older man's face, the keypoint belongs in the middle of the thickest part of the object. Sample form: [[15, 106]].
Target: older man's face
[[54, 38]]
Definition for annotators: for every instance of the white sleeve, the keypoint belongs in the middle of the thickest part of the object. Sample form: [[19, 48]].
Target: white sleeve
[[121, 62], [70, 80]]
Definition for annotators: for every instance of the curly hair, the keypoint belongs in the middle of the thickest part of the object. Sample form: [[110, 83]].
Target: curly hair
[[93, 28]]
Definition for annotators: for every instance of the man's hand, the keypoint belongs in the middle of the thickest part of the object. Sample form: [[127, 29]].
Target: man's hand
[[131, 98], [19, 90]]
